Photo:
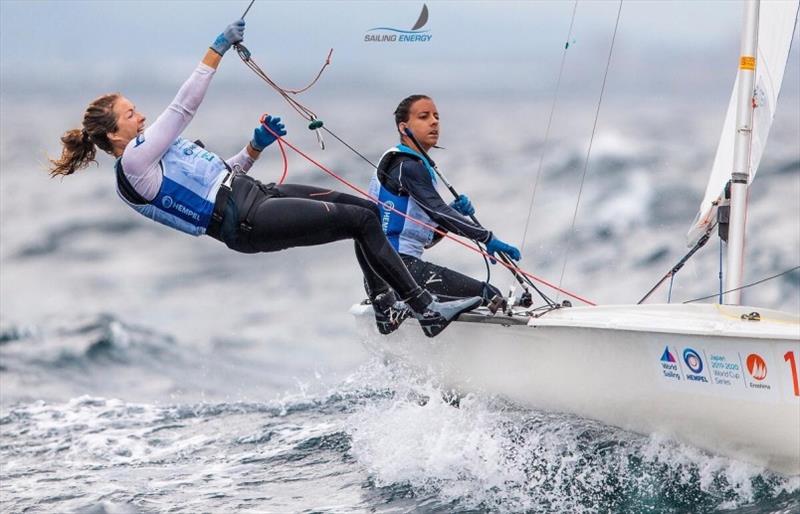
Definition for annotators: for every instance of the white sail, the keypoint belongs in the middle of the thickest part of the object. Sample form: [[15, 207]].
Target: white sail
[[777, 21]]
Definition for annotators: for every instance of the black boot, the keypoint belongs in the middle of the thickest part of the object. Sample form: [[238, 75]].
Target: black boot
[[389, 312], [434, 316]]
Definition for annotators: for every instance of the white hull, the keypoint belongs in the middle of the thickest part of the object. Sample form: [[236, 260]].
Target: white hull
[[632, 367]]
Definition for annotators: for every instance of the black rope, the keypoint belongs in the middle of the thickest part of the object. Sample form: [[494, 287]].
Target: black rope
[[677, 267], [326, 129], [745, 286]]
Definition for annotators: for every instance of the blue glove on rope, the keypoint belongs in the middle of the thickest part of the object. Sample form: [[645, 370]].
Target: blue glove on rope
[[463, 205], [233, 34], [495, 245], [262, 138]]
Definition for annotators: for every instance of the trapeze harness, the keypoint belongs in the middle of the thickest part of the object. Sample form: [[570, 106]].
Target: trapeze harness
[[194, 180]]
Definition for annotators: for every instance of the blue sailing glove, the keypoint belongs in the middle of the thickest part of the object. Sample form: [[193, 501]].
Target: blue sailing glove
[[262, 137], [233, 34], [463, 205], [495, 245]]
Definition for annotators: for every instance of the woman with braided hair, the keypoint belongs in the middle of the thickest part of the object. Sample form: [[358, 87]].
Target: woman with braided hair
[[182, 185]]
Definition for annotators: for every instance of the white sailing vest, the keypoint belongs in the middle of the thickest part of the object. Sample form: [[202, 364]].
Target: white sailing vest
[[191, 177]]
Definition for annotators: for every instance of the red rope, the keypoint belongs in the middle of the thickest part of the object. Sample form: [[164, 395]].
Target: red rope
[[285, 160], [472, 247]]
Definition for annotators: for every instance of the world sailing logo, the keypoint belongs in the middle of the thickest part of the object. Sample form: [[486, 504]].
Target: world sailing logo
[[393, 35]]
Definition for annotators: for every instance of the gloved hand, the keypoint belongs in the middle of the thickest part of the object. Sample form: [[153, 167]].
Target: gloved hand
[[495, 245], [233, 34], [463, 205], [262, 137]]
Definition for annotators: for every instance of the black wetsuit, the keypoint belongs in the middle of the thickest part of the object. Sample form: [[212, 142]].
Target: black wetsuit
[[268, 218]]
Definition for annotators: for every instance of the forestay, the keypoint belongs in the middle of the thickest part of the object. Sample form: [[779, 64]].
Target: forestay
[[777, 21]]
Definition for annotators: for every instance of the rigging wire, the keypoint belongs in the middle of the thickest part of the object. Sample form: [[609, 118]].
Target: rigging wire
[[549, 123], [589, 151], [248, 8], [669, 293], [745, 286], [677, 267], [349, 147]]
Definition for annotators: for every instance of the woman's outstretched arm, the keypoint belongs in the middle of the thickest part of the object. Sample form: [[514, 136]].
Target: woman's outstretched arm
[[140, 159]]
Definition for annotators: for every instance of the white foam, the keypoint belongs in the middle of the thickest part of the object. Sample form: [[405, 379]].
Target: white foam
[[485, 454]]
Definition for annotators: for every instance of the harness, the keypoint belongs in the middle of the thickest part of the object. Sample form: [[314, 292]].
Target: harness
[[186, 200], [407, 238]]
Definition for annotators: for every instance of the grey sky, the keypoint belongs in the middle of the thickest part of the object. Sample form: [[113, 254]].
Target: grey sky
[[111, 35], [70, 51], [97, 29]]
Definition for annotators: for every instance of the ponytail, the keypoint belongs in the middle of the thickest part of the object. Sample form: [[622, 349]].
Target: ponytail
[[77, 152], [79, 146]]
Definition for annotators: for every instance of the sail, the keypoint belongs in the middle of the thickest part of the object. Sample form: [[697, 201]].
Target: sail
[[777, 19]]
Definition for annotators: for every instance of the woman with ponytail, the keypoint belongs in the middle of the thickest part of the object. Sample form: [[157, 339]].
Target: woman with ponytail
[[178, 183], [79, 145]]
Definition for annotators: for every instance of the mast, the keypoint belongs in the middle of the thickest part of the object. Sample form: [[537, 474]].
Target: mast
[[740, 176]]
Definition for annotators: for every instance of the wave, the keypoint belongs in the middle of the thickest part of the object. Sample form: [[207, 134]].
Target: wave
[[10, 333], [384, 436], [99, 339], [492, 456], [55, 240]]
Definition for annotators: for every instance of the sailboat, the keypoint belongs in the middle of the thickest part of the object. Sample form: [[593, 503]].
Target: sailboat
[[722, 377]]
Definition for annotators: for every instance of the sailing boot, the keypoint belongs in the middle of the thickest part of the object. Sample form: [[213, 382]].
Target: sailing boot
[[434, 316], [389, 312]]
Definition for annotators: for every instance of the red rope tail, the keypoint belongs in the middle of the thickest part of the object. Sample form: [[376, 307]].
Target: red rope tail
[[469, 246], [285, 159]]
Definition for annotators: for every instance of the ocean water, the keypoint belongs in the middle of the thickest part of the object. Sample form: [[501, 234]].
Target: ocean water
[[145, 371], [381, 439]]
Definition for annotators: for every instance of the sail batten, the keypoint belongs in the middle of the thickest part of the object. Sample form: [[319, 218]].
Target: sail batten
[[777, 21]]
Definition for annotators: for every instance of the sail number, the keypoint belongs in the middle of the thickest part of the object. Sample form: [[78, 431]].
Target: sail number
[[790, 358]]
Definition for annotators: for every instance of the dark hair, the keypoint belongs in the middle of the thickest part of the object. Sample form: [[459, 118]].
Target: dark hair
[[403, 110], [78, 145]]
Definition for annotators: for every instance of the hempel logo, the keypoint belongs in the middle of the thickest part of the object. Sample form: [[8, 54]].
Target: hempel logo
[[389, 205], [169, 203], [393, 35]]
